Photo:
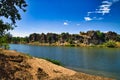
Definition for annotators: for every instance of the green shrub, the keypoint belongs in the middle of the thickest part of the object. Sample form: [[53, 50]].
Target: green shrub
[[28, 55], [53, 61], [5, 46], [70, 45], [111, 44]]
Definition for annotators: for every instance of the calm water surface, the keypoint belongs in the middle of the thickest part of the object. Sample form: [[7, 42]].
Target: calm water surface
[[97, 61]]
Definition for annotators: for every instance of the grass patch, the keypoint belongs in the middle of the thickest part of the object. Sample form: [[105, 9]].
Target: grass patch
[[27, 55], [53, 61]]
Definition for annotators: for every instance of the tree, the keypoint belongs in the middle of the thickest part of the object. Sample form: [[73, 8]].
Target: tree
[[65, 37], [3, 38], [4, 27], [10, 9], [100, 35], [4, 42], [34, 37]]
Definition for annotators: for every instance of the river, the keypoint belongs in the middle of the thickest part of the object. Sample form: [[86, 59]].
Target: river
[[96, 61]]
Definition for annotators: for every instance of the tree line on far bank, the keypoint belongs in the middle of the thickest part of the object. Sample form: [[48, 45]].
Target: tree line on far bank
[[89, 38]]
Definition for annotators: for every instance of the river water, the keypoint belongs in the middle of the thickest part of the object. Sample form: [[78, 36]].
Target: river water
[[96, 61]]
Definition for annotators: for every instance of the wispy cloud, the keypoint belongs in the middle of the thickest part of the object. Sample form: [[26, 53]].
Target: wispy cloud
[[87, 18], [103, 9]]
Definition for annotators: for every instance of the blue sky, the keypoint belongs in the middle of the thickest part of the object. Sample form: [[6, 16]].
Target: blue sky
[[71, 16]]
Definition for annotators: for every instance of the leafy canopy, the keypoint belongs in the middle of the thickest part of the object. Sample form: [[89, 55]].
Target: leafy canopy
[[4, 27], [10, 9]]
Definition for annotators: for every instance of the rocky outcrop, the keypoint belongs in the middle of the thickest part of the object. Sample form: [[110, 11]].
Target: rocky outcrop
[[87, 38]]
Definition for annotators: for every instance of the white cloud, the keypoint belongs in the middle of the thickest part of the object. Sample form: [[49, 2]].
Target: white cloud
[[93, 18], [87, 18], [106, 2], [65, 23], [103, 9]]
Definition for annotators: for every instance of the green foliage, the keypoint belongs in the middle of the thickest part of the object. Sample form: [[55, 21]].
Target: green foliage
[[4, 27], [65, 36], [3, 42], [70, 41], [28, 55], [100, 35], [53, 61], [10, 9], [111, 44], [18, 40], [5, 46], [118, 38], [3, 36]]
